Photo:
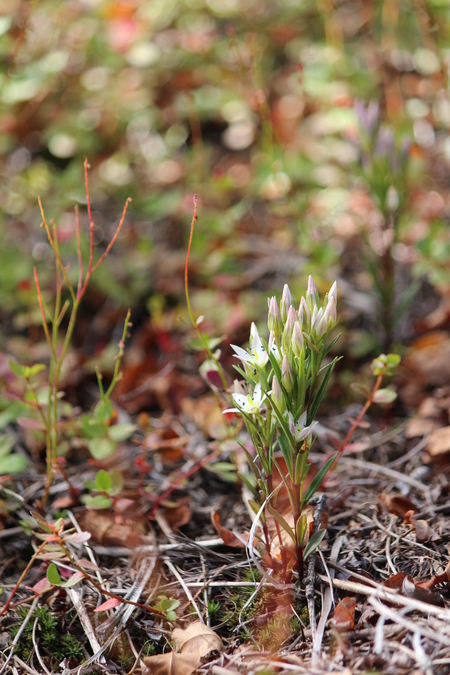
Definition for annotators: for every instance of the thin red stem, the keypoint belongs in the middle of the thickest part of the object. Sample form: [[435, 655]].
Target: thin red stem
[[356, 423]]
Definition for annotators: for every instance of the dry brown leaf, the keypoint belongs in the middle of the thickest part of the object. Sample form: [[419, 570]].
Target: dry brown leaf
[[172, 664], [398, 504], [439, 443], [395, 581], [111, 529], [229, 538], [196, 639], [413, 590], [423, 531], [344, 614]]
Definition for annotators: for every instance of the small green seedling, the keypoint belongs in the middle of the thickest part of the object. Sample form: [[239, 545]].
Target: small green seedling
[[167, 606], [106, 486]]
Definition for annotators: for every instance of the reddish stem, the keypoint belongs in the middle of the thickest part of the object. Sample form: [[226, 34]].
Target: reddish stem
[[356, 423]]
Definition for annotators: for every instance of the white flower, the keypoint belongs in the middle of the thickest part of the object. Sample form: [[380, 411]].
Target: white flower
[[257, 355], [249, 404], [298, 429]]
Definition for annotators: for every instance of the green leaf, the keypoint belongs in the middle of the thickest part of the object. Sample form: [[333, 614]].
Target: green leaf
[[256, 509], [17, 369], [53, 575], [103, 410], [313, 543], [93, 428], [316, 481], [170, 615], [116, 482], [12, 464], [281, 521], [332, 343], [384, 396], [6, 444], [251, 463], [100, 448], [103, 481], [300, 529], [251, 487], [43, 524], [320, 392], [286, 451], [385, 365], [97, 502], [26, 371], [119, 432], [301, 468], [34, 370]]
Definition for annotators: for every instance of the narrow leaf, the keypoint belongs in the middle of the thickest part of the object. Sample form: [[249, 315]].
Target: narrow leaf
[[43, 524], [281, 521], [250, 487], [320, 392], [313, 543], [316, 481]]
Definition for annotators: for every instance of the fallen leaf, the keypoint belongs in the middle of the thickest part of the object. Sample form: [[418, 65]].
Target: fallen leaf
[[430, 584], [423, 530], [413, 590], [344, 614], [172, 664], [439, 442], [396, 581], [196, 639], [229, 538], [398, 504]]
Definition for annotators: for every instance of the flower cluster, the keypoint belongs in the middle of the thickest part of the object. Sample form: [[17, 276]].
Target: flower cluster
[[281, 373], [282, 387]]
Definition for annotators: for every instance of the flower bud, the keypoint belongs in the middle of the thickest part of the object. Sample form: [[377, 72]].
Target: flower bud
[[277, 395], [317, 324], [304, 315], [288, 328], [311, 293], [298, 344], [287, 376], [330, 314], [286, 302], [274, 317], [332, 293]]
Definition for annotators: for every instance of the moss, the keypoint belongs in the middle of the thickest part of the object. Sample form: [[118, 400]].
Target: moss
[[54, 641]]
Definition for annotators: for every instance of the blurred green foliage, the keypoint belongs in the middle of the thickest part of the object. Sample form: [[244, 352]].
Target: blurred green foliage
[[249, 104]]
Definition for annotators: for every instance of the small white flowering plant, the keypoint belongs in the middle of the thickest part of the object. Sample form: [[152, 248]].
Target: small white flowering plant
[[284, 381]]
